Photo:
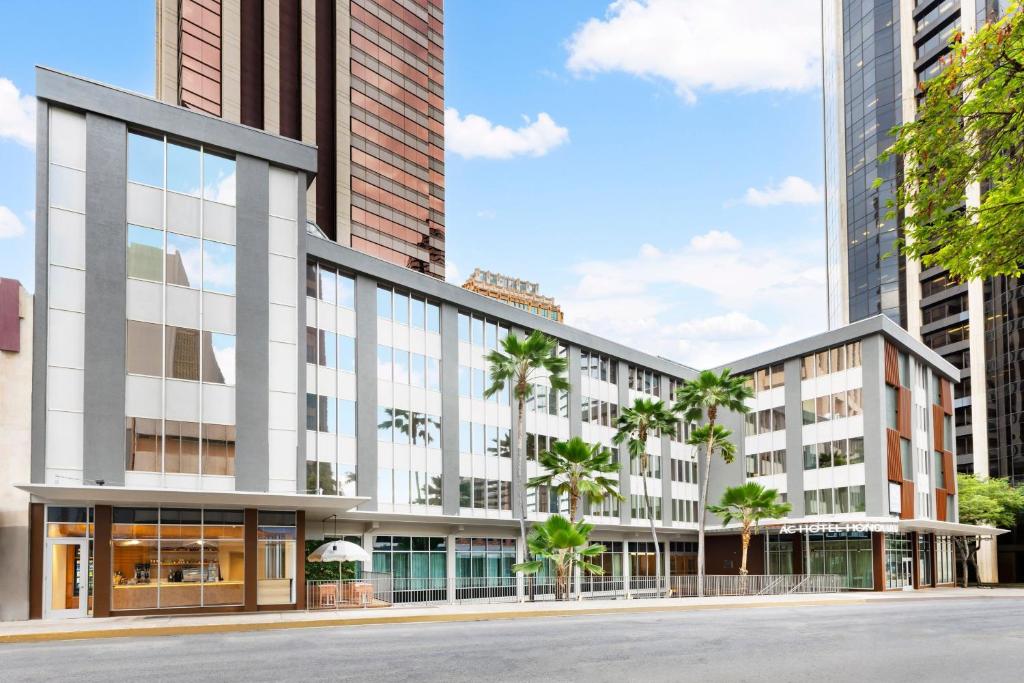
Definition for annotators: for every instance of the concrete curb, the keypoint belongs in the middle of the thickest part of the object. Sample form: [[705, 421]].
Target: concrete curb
[[188, 629]]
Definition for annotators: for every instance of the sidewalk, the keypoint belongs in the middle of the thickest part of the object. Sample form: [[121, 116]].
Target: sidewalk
[[123, 627]]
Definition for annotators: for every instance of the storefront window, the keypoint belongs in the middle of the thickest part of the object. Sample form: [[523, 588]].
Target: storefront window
[[944, 568], [924, 554], [171, 557], [847, 555], [416, 563], [484, 561], [899, 560], [780, 556], [275, 551]]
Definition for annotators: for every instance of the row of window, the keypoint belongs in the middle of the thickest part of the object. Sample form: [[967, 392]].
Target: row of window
[[537, 444], [400, 426], [485, 494], [545, 498], [834, 501], [684, 510], [184, 261], [329, 285], [638, 507], [600, 367], [831, 360], [834, 453], [545, 399], [330, 350], [767, 463], [473, 384], [322, 478], [684, 471], [653, 464], [404, 367], [188, 170], [598, 412], [849, 403], [400, 308], [480, 332], [643, 380], [174, 447], [408, 487], [765, 421], [330, 415], [179, 353], [766, 379], [481, 439]]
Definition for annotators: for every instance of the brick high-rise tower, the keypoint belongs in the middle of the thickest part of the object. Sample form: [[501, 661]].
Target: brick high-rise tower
[[363, 80]]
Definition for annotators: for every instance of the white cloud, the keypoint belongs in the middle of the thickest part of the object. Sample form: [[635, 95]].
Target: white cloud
[[714, 240], [792, 190], [741, 45], [474, 136], [710, 300], [17, 114], [10, 224], [487, 214], [452, 274]]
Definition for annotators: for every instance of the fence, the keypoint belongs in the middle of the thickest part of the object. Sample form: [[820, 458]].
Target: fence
[[376, 589]]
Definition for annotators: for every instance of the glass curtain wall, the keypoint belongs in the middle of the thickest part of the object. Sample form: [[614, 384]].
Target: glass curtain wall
[[899, 558], [416, 563], [276, 544], [847, 555]]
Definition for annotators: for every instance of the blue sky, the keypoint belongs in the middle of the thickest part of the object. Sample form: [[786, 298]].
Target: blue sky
[[655, 164]]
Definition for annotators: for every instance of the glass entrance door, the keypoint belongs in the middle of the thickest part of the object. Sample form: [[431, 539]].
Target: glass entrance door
[[66, 589]]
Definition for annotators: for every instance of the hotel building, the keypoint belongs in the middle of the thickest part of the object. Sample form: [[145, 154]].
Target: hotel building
[[519, 293], [216, 382], [877, 57], [363, 80]]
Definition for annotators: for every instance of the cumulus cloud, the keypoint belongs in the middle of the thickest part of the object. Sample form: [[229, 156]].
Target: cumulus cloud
[[792, 190], [17, 114], [10, 224], [452, 274], [487, 214], [699, 303], [474, 136], [697, 45]]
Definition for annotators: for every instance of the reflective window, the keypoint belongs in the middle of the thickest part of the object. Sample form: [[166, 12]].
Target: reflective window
[[433, 318], [184, 261], [145, 253], [384, 303], [218, 178], [183, 169], [218, 267], [145, 160], [144, 349], [182, 353], [219, 363], [417, 313], [401, 309], [346, 353]]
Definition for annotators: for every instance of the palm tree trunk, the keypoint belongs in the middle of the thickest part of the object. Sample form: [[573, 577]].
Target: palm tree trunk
[[519, 462], [654, 534], [745, 538], [702, 505]]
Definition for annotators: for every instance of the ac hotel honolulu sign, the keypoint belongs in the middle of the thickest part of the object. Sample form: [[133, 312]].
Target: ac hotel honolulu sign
[[838, 528]]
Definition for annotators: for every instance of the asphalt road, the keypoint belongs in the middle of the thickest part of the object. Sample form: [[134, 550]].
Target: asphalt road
[[941, 640]]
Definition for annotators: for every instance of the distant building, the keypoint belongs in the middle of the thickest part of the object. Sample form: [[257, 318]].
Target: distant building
[[519, 293], [15, 431]]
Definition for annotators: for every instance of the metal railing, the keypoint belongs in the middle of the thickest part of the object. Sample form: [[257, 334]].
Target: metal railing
[[376, 589]]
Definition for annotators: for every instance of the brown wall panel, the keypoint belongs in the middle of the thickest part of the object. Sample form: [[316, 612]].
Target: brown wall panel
[[36, 533], [723, 549], [949, 470], [938, 428], [251, 57], [251, 559], [907, 500], [326, 113], [290, 69], [878, 560], [916, 573], [940, 505], [102, 561], [892, 365], [946, 395], [892, 452]]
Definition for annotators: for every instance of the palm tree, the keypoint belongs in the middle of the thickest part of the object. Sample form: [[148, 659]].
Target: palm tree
[[707, 393], [571, 468], [566, 545], [646, 418], [750, 503], [523, 362]]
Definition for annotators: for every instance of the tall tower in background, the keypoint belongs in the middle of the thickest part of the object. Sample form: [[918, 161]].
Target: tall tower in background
[[363, 80], [877, 56]]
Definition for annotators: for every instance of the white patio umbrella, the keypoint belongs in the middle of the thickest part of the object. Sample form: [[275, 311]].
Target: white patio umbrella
[[339, 551]]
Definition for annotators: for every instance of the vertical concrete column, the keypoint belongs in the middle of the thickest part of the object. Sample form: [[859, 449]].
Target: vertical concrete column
[[40, 305], [624, 482], [449, 409], [575, 410], [300, 558], [252, 315], [627, 571], [518, 463], [366, 390], [876, 478], [666, 462], [105, 300], [794, 437], [450, 567]]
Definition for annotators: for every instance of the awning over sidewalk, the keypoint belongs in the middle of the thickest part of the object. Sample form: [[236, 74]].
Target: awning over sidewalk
[[949, 528], [119, 495]]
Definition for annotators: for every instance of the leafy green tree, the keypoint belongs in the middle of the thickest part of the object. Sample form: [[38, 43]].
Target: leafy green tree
[[985, 502], [565, 545], [575, 469], [521, 363], [968, 130], [749, 503], [702, 396], [646, 418]]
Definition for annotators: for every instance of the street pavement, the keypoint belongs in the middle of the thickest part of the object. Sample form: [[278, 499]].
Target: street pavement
[[924, 640]]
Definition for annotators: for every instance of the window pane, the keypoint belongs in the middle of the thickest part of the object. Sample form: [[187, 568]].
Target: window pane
[[218, 267], [433, 374], [346, 291], [464, 328], [328, 285], [181, 447], [144, 445], [433, 318], [145, 160], [219, 358], [184, 261], [401, 367], [182, 169], [384, 362], [145, 253], [401, 309], [385, 423], [478, 331], [417, 370], [328, 349], [218, 178], [144, 349], [417, 313], [182, 353], [218, 449], [346, 417], [384, 303], [346, 353]]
